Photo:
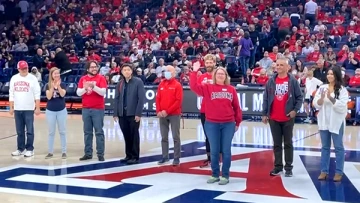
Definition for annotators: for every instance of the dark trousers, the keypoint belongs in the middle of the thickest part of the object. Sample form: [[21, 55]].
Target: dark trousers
[[283, 131], [207, 146], [130, 130], [93, 119], [311, 18], [24, 119]]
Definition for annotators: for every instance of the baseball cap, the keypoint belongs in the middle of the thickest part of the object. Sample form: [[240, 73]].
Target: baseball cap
[[22, 65]]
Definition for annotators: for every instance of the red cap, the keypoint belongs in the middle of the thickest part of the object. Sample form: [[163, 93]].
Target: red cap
[[22, 65]]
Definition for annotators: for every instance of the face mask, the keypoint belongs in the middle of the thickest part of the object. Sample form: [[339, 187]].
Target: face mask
[[107, 65], [167, 75], [294, 72]]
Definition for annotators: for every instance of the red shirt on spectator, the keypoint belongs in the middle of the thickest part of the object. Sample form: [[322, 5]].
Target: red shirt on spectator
[[94, 57], [116, 3], [357, 55], [73, 59], [284, 23], [262, 80], [313, 56], [354, 81]]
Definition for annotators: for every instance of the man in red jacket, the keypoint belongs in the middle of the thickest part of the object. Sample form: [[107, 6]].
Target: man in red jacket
[[168, 108], [206, 78]]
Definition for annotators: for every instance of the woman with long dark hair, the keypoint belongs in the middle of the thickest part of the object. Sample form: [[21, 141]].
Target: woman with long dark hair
[[331, 100]]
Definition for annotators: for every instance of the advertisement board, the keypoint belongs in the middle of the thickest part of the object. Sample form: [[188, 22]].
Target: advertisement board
[[251, 99]]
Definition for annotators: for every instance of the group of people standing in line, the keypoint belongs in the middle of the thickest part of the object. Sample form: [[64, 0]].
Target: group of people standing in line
[[282, 99]]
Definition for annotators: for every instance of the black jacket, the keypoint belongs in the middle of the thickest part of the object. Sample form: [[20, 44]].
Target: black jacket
[[62, 61], [135, 97]]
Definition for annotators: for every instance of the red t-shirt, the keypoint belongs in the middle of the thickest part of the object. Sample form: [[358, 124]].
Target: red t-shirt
[[277, 112], [91, 99]]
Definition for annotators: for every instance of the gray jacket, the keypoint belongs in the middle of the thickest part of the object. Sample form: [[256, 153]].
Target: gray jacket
[[295, 98], [135, 97]]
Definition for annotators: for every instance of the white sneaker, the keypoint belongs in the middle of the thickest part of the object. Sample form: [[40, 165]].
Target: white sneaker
[[18, 153], [29, 154]]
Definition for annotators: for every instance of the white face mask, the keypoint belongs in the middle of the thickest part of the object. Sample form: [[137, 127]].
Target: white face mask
[[294, 72]]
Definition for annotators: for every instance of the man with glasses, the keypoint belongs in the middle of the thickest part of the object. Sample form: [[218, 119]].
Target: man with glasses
[[92, 88]]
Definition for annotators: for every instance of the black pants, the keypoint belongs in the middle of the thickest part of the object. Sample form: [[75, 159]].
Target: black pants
[[130, 130], [207, 146], [311, 18], [283, 131]]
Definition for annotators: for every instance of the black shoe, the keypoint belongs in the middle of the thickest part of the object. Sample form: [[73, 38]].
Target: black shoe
[[288, 174], [132, 161], [275, 172], [101, 158], [85, 157], [124, 160]]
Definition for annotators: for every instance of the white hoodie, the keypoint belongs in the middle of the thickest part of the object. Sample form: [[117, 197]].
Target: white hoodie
[[23, 91]]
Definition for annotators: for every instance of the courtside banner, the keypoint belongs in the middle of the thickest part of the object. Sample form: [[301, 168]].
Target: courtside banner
[[251, 99]]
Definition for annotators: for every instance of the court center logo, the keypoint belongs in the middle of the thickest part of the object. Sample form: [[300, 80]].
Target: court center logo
[[148, 182]]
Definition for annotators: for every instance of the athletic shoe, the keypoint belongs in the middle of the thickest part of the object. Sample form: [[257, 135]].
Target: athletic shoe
[[63, 156], [132, 161], [18, 153], [275, 172], [205, 164], [29, 154], [49, 156], [223, 181], [213, 180], [124, 160], [288, 174], [176, 162], [101, 158], [163, 161]]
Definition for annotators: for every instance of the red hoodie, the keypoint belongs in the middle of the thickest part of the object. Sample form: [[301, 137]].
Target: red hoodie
[[169, 97], [222, 102], [205, 78]]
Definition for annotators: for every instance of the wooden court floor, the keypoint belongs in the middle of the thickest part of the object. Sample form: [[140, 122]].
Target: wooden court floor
[[250, 133]]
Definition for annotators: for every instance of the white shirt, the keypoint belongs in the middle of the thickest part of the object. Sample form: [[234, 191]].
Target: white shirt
[[222, 24], [332, 116], [311, 85], [306, 51], [311, 7], [23, 91]]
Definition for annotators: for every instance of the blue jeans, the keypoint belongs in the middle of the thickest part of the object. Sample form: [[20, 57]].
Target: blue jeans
[[24, 119], [93, 119], [244, 64], [220, 136], [339, 150], [252, 57], [59, 118]]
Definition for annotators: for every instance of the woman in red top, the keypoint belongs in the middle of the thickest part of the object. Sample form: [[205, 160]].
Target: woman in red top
[[223, 117], [284, 26]]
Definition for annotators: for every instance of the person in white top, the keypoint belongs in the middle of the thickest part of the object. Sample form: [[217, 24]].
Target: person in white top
[[24, 98], [331, 100], [311, 85], [311, 9]]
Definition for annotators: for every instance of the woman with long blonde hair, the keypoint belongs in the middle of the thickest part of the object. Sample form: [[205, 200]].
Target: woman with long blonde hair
[[223, 118], [56, 113]]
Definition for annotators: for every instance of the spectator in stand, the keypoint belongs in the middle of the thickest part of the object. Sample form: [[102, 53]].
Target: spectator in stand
[[284, 26], [62, 61], [161, 66], [307, 49], [353, 41], [266, 61], [244, 52], [311, 11], [92, 88], [24, 97], [350, 63], [36, 73], [262, 79], [38, 59], [273, 55], [311, 85], [320, 71], [315, 55], [255, 38], [105, 69], [20, 46], [355, 80], [185, 76]]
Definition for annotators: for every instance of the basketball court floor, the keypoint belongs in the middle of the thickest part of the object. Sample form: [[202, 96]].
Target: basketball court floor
[[55, 180]]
